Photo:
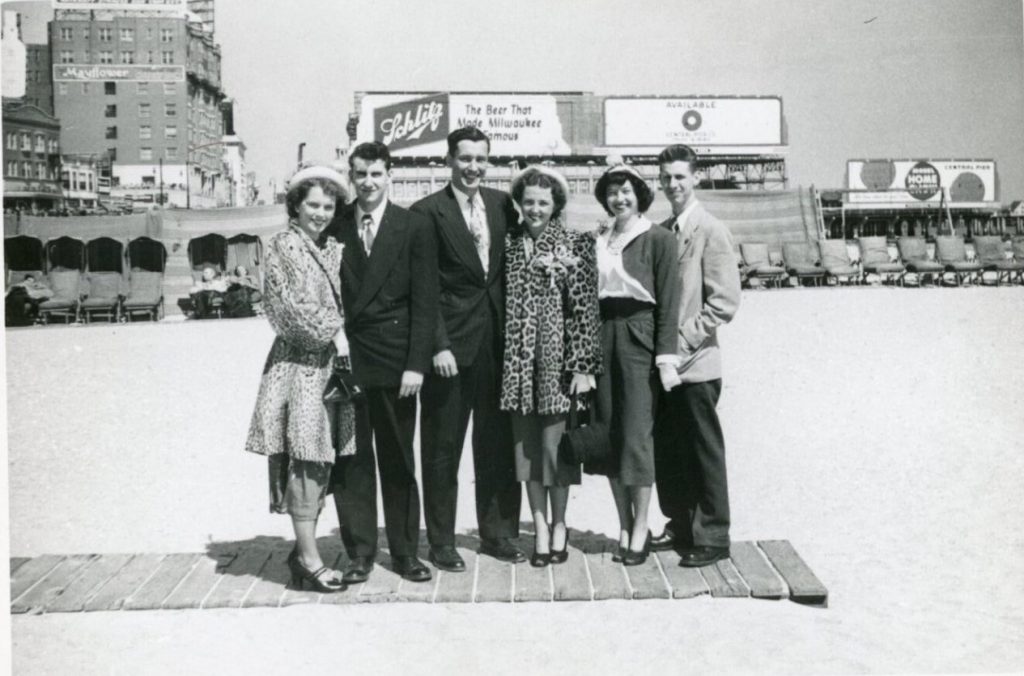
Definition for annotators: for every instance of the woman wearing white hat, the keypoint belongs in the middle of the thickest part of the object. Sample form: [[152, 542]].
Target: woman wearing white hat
[[639, 297], [290, 424], [552, 346]]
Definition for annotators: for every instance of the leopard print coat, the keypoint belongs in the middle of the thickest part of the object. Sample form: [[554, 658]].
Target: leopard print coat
[[301, 300], [552, 320]]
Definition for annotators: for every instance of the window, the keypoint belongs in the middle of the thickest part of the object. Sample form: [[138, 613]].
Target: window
[[85, 87], [166, 35], [53, 146], [145, 153], [112, 154], [166, 57], [171, 131], [110, 88], [12, 141], [85, 33], [145, 132], [12, 168], [170, 89], [40, 144], [143, 110], [170, 109], [106, 57], [67, 56], [171, 153], [127, 57], [26, 169], [26, 141], [111, 132], [106, 34], [143, 88], [65, 34], [41, 170], [149, 180], [111, 110], [127, 34], [62, 88]]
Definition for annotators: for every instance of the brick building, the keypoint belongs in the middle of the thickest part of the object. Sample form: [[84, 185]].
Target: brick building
[[31, 157]]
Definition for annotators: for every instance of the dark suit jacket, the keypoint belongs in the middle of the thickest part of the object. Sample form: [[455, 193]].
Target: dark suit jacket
[[468, 299], [390, 298]]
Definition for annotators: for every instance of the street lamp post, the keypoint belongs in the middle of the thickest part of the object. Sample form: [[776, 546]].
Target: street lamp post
[[302, 146]]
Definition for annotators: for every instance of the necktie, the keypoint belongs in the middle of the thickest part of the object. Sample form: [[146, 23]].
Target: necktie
[[367, 228], [478, 228]]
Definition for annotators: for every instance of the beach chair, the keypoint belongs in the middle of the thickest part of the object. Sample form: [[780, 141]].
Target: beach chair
[[1017, 246], [67, 292], [23, 256], [103, 296], [991, 253], [875, 259], [145, 295], [914, 253], [802, 260], [758, 265], [951, 252], [835, 258]]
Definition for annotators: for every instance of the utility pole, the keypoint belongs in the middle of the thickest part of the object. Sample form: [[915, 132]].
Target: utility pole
[[161, 198]]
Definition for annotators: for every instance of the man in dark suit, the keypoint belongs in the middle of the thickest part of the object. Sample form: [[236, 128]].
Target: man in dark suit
[[389, 292], [470, 223]]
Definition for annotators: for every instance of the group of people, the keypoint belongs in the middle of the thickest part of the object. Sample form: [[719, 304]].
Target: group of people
[[485, 305], [236, 293]]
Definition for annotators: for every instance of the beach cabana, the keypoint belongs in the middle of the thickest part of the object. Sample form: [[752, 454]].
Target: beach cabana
[[146, 260], [247, 250], [23, 256], [65, 265], [207, 251]]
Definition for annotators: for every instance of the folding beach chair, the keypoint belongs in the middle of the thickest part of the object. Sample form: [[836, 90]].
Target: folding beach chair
[[914, 253], [67, 292], [758, 265], [875, 259], [952, 253], [992, 257], [802, 261], [835, 258], [103, 296], [145, 295]]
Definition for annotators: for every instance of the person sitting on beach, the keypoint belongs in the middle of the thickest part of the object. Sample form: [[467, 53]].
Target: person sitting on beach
[[207, 292], [23, 299], [243, 292]]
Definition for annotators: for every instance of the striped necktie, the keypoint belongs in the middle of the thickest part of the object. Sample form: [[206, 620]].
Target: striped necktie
[[478, 229], [367, 233]]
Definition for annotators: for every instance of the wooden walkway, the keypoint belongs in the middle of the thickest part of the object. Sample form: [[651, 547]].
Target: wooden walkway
[[255, 574]]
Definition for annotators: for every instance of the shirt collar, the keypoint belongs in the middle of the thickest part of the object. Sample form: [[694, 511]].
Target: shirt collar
[[463, 199], [641, 225], [685, 215], [377, 214]]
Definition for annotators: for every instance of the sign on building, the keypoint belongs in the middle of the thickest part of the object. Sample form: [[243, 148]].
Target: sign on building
[[417, 124], [71, 72], [711, 121], [165, 7], [909, 183]]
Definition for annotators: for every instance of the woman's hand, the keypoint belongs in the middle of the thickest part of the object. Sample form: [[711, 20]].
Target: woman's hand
[[669, 376], [341, 343], [580, 383]]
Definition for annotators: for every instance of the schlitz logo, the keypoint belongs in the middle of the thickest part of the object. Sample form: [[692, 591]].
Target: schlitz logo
[[412, 123]]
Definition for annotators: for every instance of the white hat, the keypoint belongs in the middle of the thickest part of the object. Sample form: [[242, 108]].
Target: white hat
[[546, 171], [323, 172]]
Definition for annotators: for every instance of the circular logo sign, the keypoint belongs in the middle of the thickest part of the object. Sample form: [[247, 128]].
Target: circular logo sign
[[968, 187], [877, 174], [922, 181], [692, 120]]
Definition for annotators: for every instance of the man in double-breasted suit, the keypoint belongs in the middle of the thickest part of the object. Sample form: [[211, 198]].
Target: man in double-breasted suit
[[470, 223], [389, 289], [689, 447]]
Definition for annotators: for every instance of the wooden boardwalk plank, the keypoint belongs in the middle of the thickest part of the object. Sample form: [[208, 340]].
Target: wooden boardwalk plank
[[17, 562], [493, 580], [686, 583], [53, 585], [804, 586], [724, 580], [759, 575], [570, 578], [457, 587], [200, 580], [125, 582], [30, 573], [85, 585], [532, 584], [647, 580], [273, 578], [607, 577], [238, 578], [152, 593], [383, 583]]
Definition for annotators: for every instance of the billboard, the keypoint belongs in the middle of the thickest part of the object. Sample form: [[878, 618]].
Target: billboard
[[693, 120], [175, 7], [910, 183], [70, 72], [417, 124]]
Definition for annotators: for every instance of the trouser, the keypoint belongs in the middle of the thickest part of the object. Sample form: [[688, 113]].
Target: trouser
[[447, 405], [388, 423], [690, 465]]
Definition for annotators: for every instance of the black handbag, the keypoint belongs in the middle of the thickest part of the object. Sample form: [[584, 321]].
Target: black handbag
[[585, 441], [342, 387]]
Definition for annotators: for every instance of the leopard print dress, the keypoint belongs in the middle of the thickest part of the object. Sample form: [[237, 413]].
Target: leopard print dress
[[552, 320]]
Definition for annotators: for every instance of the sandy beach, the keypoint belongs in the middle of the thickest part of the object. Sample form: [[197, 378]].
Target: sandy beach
[[879, 430]]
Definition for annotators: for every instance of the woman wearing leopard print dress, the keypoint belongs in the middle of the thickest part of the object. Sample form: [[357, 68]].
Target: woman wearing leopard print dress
[[552, 346], [291, 425]]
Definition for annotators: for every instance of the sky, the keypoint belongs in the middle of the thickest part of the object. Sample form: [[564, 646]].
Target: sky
[[859, 79]]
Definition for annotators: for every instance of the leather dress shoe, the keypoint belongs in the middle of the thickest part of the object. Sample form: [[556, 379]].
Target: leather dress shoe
[[698, 557], [502, 549], [410, 568], [446, 558], [664, 542], [358, 570]]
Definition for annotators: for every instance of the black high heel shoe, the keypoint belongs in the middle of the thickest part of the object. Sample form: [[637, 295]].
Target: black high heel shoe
[[538, 560], [631, 558], [301, 575], [560, 555]]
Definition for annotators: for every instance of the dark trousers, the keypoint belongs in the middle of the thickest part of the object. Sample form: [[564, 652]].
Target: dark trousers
[[447, 405], [391, 423], [689, 452]]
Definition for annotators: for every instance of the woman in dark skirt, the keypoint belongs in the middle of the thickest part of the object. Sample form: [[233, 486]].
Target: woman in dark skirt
[[552, 346], [639, 298]]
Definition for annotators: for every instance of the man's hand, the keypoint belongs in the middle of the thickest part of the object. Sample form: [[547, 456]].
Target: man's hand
[[580, 383], [411, 383], [341, 343], [669, 376], [444, 364]]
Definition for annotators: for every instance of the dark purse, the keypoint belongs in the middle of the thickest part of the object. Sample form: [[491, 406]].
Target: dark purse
[[585, 441], [342, 387]]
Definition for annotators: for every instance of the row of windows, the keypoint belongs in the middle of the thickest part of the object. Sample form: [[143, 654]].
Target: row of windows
[[41, 145], [170, 110], [78, 180], [68, 56], [146, 131], [39, 170], [146, 154], [124, 34], [169, 88]]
